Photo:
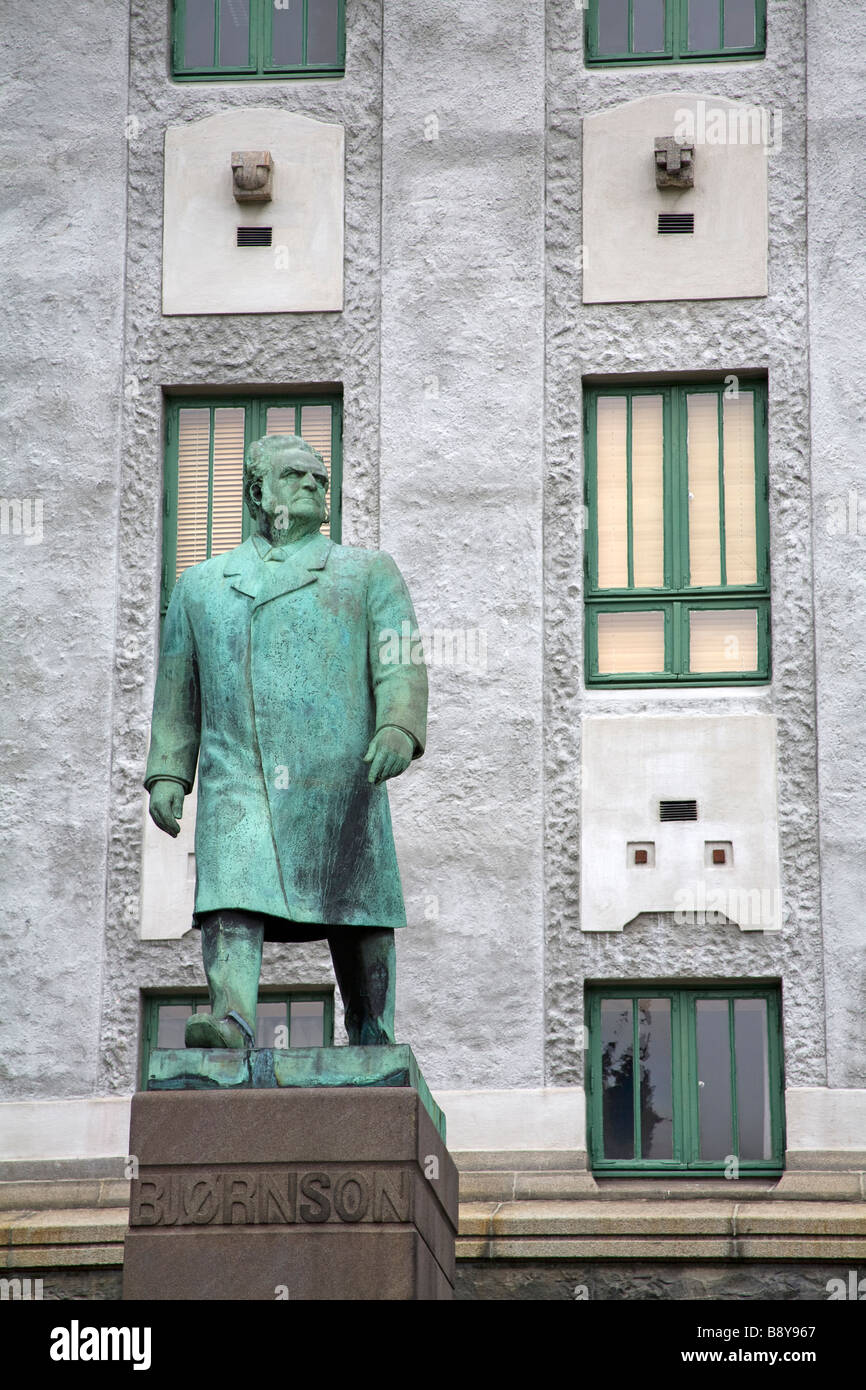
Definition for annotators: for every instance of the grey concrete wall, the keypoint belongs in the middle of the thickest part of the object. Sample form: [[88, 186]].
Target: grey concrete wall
[[65, 71], [235, 352], [460, 279], [681, 337], [461, 485], [837, 358], [461, 351]]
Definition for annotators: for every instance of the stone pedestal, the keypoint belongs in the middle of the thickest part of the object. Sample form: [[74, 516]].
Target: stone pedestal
[[336, 1192]]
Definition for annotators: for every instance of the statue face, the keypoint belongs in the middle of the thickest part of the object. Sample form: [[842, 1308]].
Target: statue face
[[292, 496]]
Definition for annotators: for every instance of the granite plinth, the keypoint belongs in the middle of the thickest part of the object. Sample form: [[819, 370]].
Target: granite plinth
[[317, 1193], [200, 1068]]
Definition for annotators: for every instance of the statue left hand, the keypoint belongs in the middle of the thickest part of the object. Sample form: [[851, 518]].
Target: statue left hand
[[390, 753]]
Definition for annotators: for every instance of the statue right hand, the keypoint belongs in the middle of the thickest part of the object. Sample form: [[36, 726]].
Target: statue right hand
[[166, 805]]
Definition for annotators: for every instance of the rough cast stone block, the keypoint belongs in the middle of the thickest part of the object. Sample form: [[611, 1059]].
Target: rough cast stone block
[[330, 1193]]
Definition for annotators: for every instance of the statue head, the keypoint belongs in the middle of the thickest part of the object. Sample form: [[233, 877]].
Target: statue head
[[285, 481]]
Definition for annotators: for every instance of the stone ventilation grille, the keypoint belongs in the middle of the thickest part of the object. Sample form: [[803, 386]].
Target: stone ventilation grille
[[678, 810], [254, 236], [682, 222]]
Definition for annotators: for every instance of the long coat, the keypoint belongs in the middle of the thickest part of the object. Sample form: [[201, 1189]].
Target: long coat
[[275, 676]]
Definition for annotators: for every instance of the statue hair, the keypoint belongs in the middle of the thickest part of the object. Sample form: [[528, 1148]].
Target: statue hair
[[258, 458]]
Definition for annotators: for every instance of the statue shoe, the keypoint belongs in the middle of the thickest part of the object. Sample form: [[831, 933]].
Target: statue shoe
[[206, 1030]]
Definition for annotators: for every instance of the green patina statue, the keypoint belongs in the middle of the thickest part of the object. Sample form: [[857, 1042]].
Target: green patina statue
[[277, 674]]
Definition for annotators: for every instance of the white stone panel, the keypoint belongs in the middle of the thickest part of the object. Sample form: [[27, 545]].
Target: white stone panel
[[204, 270], [534, 1119], [727, 764], [168, 875], [820, 1117], [86, 1127], [624, 256]]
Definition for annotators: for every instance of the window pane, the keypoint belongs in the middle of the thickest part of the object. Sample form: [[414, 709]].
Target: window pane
[[308, 1023], [271, 1016], [612, 484], [613, 26], [631, 643], [753, 1077], [322, 31], [171, 1025], [648, 26], [647, 490], [315, 428], [198, 34], [704, 24], [193, 452], [703, 471], [656, 1079], [723, 639], [739, 23], [714, 1079], [288, 33], [227, 510], [617, 1078], [281, 420], [234, 33], [738, 423]]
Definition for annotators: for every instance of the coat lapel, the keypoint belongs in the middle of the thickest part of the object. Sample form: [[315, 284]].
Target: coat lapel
[[243, 565], [296, 572]]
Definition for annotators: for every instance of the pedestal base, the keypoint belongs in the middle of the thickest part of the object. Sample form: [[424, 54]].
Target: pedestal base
[[331, 1193]]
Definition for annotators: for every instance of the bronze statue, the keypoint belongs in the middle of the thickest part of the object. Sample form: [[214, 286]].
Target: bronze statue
[[276, 675]]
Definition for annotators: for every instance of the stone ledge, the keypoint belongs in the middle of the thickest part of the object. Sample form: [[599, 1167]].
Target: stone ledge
[[520, 1160], [669, 1218], [502, 1185], [72, 1226], [548, 1230], [667, 1229], [496, 1185], [826, 1160], [63, 1256], [591, 1248], [59, 1194], [673, 1248], [48, 1170]]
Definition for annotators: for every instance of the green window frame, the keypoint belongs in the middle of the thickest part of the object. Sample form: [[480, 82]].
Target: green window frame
[[204, 513], [257, 40], [711, 1095], [673, 31], [701, 513], [297, 1019]]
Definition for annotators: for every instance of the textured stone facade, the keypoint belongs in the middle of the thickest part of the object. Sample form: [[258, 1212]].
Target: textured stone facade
[[594, 341], [461, 353], [569, 1281], [246, 351]]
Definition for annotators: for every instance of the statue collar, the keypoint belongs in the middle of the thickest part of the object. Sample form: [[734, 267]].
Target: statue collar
[[264, 581]]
